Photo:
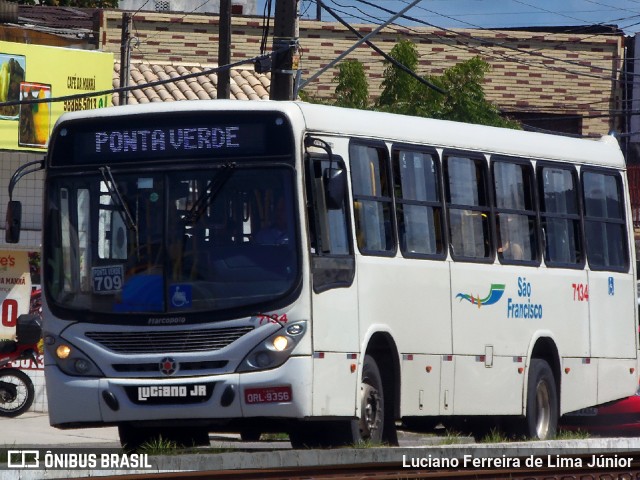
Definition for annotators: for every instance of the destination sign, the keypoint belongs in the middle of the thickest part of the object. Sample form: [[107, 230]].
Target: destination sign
[[170, 142], [170, 136], [168, 139]]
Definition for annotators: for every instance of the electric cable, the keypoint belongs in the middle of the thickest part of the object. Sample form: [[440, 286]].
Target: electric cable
[[79, 96]]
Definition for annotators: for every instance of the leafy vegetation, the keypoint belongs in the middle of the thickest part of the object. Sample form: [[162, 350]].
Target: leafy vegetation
[[464, 100], [352, 90]]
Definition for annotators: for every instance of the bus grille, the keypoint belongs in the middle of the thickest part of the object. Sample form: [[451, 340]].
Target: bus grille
[[173, 341]]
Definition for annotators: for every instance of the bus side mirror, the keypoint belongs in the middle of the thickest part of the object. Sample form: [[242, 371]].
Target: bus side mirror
[[335, 183], [13, 222]]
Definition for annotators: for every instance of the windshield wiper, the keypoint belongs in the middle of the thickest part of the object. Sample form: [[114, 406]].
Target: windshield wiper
[[117, 198], [209, 195]]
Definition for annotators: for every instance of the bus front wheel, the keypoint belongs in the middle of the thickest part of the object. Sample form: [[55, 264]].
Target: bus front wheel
[[370, 426], [541, 419], [371, 422], [367, 428]]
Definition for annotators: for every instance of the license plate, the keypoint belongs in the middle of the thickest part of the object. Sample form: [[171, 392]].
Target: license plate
[[267, 395]]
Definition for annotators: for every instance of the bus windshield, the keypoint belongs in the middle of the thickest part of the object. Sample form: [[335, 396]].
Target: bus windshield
[[198, 240]]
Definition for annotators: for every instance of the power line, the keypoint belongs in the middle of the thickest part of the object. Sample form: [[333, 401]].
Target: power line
[[484, 41], [380, 52]]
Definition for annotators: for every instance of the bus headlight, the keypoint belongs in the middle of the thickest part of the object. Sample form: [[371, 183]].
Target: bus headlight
[[70, 359], [63, 351], [275, 349], [280, 343]]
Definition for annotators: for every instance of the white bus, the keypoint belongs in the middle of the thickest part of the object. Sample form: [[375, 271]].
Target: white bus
[[281, 266]]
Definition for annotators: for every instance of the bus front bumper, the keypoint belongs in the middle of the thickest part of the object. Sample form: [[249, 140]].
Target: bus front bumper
[[281, 392]]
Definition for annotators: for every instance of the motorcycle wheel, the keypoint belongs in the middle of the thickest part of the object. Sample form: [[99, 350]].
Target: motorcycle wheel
[[17, 397]]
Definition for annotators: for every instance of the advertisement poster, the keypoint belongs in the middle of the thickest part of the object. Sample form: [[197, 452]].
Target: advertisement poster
[[45, 74], [15, 290]]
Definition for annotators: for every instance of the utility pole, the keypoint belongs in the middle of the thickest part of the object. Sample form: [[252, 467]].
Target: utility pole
[[224, 50], [285, 42], [125, 57]]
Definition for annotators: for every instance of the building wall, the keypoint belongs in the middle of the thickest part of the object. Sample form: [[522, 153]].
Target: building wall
[[541, 72]]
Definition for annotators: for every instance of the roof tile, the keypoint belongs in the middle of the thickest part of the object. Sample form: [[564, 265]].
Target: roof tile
[[245, 83]]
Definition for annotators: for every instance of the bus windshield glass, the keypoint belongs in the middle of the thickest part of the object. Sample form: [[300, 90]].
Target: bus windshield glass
[[203, 239]]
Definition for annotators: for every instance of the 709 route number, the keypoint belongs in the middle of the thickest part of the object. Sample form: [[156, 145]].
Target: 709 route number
[[267, 395]]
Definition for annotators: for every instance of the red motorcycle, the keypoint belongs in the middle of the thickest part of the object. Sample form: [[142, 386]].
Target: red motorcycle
[[16, 388]]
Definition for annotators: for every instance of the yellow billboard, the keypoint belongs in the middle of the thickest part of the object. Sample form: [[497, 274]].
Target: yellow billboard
[[32, 72]]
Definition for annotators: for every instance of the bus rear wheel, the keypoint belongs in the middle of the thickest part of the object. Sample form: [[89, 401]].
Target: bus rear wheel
[[541, 420]]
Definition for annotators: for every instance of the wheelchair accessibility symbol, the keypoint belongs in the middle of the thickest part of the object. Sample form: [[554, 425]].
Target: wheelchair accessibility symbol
[[180, 296]]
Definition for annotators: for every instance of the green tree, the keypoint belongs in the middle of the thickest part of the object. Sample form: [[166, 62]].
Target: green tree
[[398, 86], [464, 100], [352, 90]]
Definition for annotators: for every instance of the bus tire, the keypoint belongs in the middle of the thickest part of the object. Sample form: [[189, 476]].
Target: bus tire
[[372, 403], [368, 428], [541, 418]]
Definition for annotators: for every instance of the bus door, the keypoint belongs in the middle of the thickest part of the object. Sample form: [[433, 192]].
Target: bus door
[[611, 291], [334, 300]]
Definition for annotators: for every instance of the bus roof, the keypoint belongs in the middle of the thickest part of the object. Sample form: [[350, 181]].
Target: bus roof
[[464, 136], [323, 119]]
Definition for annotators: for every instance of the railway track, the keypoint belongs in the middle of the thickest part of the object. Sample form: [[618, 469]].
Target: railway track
[[396, 471]]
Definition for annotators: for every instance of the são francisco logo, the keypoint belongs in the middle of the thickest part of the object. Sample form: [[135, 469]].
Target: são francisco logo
[[495, 294]]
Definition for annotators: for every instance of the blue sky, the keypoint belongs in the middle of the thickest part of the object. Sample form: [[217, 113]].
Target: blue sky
[[487, 13]]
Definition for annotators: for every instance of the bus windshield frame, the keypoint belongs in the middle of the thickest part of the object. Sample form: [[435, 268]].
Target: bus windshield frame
[[208, 236]]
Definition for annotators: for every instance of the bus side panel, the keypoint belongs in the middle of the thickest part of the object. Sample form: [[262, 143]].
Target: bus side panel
[[335, 321], [498, 311], [413, 295], [420, 395], [335, 339], [447, 384], [335, 385], [579, 384], [612, 308], [419, 310], [612, 375], [488, 390], [504, 307]]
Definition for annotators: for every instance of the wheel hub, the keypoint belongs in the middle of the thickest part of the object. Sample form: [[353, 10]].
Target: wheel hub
[[370, 420]]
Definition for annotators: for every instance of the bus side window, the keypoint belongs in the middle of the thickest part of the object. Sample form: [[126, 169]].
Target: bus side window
[[332, 261], [560, 216], [372, 201], [604, 221], [516, 224], [418, 202], [468, 207]]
